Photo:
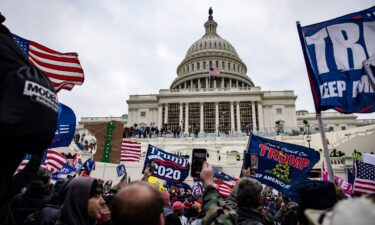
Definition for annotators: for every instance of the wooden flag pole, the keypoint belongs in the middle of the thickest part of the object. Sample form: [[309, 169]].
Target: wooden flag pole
[[325, 148]]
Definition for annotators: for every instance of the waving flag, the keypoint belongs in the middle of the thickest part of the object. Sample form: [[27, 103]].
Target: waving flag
[[339, 56], [89, 165], [63, 69], [364, 182], [64, 172], [77, 161], [279, 163], [23, 163], [53, 160], [130, 151], [197, 189], [66, 126], [214, 71], [168, 166], [224, 187], [121, 171]]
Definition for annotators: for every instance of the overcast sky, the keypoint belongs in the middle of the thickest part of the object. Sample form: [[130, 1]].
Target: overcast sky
[[134, 47]]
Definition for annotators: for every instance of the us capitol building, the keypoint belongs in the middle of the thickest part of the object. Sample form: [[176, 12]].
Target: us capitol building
[[221, 109], [225, 103]]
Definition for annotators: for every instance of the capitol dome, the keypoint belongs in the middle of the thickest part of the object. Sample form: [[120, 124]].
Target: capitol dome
[[211, 51]]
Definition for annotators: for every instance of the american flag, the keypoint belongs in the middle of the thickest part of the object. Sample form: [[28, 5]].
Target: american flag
[[130, 151], [224, 182], [197, 189], [23, 163], [214, 71], [63, 69], [364, 182], [224, 187], [53, 160]]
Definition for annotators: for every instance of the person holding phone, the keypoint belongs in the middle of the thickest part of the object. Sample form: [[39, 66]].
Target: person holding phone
[[214, 209]]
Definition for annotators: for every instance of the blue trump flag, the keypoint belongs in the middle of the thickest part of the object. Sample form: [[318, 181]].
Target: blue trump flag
[[66, 126], [280, 164], [168, 166], [340, 57]]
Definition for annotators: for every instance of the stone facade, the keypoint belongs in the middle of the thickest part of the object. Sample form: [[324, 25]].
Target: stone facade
[[213, 94]]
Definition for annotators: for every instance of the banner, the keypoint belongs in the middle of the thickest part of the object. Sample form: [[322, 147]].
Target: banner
[[89, 165], [64, 172], [339, 57], [121, 171], [168, 166], [280, 164], [66, 126]]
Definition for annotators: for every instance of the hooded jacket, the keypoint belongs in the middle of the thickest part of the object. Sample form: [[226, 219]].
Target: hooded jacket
[[74, 210]]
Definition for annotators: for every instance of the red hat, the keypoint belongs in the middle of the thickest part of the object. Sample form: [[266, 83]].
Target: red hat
[[177, 206], [187, 205], [199, 201]]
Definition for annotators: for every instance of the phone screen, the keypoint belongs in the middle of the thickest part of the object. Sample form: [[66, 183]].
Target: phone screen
[[199, 156], [254, 161]]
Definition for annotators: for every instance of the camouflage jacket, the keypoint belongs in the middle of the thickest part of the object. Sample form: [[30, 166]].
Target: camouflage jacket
[[214, 209]]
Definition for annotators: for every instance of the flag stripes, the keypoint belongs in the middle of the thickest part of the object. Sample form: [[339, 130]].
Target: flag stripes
[[130, 151], [63, 69], [54, 160]]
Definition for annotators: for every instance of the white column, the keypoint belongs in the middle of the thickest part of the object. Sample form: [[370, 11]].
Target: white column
[[230, 83], [207, 82], [215, 83], [166, 114], [254, 118], [160, 112], [222, 82], [216, 116], [260, 118], [231, 117], [199, 83], [238, 117], [236, 83], [201, 118], [180, 117], [191, 84], [186, 118]]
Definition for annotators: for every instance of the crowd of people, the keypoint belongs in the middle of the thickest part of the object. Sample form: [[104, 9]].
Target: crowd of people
[[84, 201], [154, 132]]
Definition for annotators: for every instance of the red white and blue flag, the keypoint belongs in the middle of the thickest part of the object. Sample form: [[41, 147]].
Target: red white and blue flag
[[130, 151], [53, 160], [364, 182], [23, 163], [214, 71], [63, 69]]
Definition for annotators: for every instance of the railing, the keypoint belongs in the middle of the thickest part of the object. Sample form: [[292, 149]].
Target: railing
[[349, 136]]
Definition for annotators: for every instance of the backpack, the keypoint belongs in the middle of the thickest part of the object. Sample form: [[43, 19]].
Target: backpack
[[28, 102]]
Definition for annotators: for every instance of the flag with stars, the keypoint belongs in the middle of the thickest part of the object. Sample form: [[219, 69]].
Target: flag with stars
[[63, 69], [364, 182]]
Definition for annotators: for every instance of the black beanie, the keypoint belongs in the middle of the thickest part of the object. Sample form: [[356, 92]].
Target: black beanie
[[314, 194]]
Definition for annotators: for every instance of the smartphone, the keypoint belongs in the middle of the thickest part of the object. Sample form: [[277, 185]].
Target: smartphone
[[254, 161], [199, 156], [151, 165], [246, 160]]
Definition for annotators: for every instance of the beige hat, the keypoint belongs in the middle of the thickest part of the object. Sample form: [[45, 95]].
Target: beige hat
[[359, 211]]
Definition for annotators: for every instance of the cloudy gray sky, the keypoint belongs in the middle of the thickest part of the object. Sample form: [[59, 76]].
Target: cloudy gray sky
[[134, 47]]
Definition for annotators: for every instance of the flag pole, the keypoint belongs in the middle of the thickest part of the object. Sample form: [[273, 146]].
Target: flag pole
[[317, 106], [325, 148]]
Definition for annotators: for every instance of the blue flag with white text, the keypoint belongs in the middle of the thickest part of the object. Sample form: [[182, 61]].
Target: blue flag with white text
[[64, 172], [279, 163], [340, 57], [168, 166], [66, 126]]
